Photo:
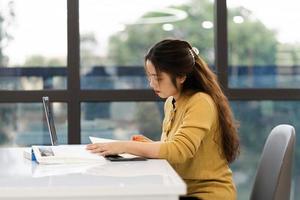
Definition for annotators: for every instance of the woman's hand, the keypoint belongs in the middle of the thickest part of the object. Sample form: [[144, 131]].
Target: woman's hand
[[105, 149], [145, 149], [140, 138]]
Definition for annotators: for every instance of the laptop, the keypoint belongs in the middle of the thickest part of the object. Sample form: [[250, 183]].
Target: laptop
[[54, 140], [50, 121]]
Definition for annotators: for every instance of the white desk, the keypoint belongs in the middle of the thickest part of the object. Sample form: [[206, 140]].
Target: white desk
[[144, 180]]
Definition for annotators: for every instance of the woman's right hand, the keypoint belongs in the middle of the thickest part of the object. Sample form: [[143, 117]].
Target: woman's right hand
[[140, 138]]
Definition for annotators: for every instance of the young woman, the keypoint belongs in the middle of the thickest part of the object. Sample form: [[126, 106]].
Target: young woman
[[199, 137]]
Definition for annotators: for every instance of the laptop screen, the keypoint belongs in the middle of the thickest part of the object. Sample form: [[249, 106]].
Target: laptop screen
[[50, 121]]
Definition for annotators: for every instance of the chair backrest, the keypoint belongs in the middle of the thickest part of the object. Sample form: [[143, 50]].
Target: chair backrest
[[273, 176]]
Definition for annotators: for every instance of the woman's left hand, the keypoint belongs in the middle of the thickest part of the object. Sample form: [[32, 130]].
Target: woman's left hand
[[105, 149]]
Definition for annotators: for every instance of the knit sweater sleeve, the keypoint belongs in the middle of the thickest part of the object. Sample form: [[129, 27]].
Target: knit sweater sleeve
[[197, 121]]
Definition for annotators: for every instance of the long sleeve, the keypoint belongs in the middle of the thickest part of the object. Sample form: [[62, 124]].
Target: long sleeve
[[198, 117], [192, 144]]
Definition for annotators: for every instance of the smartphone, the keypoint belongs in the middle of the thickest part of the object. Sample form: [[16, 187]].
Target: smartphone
[[121, 158]]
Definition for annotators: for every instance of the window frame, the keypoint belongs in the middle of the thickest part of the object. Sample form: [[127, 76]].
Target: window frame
[[73, 77]]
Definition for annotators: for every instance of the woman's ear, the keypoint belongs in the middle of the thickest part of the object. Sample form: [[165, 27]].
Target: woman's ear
[[182, 79]]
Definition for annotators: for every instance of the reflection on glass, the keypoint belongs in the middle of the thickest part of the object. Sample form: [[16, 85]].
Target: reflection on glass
[[121, 120], [24, 124], [257, 118], [33, 45], [115, 36], [263, 47], [38, 170]]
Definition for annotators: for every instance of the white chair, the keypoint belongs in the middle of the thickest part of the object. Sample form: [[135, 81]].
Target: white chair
[[273, 177]]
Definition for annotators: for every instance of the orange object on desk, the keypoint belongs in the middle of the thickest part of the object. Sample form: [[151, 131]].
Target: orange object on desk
[[139, 139]]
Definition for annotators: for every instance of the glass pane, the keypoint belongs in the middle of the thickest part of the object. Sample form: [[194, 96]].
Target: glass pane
[[115, 35], [120, 120], [23, 124], [33, 44], [257, 118], [263, 45]]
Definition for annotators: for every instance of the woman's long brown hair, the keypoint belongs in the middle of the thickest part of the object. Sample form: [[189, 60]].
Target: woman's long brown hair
[[177, 58]]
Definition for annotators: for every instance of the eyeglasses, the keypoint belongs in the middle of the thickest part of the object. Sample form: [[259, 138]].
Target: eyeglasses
[[153, 78]]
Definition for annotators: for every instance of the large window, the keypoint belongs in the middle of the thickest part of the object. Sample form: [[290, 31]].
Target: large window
[[33, 46], [23, 124], [115, 35], [263, 46], [121, 120], [87, 56]]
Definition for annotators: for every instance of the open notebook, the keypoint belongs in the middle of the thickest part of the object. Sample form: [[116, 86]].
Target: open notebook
[[62, 154]]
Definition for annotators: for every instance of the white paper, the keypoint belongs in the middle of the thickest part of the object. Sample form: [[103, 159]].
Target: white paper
[[101, 140]]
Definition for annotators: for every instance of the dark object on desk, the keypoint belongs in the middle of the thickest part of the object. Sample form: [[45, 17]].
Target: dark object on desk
[[121, 158], [188, 198]]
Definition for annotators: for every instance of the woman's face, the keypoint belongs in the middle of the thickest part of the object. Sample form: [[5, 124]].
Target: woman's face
[[161, 83]]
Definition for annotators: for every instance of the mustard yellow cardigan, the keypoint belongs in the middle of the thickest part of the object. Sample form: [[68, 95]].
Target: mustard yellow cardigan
[[192, 145]]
